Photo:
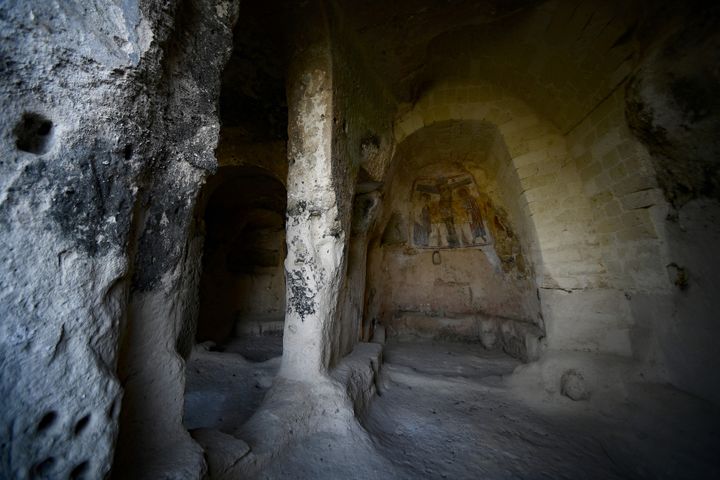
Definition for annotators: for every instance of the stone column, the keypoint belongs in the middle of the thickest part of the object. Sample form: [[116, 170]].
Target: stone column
[[315, 231]]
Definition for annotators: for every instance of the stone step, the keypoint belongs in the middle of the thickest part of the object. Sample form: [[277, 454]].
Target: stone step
[[519, 338], [250, 325]]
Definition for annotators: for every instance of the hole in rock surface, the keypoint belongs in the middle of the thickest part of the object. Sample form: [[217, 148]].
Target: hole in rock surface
[[44, 467], [80, 471], [82, 424], [47, 421], [33, 133], [128, 152]]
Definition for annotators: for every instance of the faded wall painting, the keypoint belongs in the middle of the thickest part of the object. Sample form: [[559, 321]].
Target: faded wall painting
[[448, 213]]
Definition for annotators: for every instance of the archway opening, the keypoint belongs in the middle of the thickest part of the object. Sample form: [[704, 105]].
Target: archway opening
[[242, 298], [241, 220], [242, 285], [450, 262]]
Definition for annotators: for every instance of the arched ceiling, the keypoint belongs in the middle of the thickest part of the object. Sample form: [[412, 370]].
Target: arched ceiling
[[395, 34], [447, 142], [563, 57]]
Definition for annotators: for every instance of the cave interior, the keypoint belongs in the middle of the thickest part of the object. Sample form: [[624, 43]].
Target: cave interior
[[333, 239]]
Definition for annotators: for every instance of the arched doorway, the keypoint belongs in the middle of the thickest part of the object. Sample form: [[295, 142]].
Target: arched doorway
[[242, 298], [242, 286], [451, 255]]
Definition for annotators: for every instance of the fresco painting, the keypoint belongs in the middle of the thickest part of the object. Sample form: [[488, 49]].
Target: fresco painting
[[447, 213]]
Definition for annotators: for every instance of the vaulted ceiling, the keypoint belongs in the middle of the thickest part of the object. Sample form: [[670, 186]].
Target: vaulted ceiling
[[561, 56]]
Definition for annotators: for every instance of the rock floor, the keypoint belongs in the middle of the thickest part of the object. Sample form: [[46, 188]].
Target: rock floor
[[447, 411], [225, 385]]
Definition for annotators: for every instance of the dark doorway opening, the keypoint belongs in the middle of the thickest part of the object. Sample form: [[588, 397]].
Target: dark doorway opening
[[242, 287], [242, 298]]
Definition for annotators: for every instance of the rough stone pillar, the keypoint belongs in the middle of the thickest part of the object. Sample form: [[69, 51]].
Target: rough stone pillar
[[153, 442], [315, 233]]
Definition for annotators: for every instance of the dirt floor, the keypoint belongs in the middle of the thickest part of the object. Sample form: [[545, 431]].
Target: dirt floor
[[450, 411], [225, 385]]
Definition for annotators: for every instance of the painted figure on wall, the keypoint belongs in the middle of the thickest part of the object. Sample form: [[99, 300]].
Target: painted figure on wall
[[429, 227], [421, 228], [438, 228], [447, 213], [472, 221]]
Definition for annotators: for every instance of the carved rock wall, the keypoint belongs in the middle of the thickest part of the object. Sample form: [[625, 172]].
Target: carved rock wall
[[108, 128]]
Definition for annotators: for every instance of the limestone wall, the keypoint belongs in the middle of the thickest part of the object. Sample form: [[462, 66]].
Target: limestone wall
[[671, 108], [618, 177], [648, 249], [106, 135]]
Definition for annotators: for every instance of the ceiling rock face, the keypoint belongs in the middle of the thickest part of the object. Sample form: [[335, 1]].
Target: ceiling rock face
[[561, 57], [396, 36], [341, 239], [672, 108]]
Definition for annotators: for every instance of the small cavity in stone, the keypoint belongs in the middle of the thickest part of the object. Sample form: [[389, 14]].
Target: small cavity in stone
[[46, 421], [572, 385], [33, 133], [82, 424], [79, 471], [45, 466]]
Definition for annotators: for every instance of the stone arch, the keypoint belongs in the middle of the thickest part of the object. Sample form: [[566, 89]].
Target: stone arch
[[463, 276], [242, 286], [558, 215], [538, 156]]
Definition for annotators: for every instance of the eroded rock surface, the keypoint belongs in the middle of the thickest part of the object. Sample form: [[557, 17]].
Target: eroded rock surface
[[109, 125], [673, 108], [533, 176]]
